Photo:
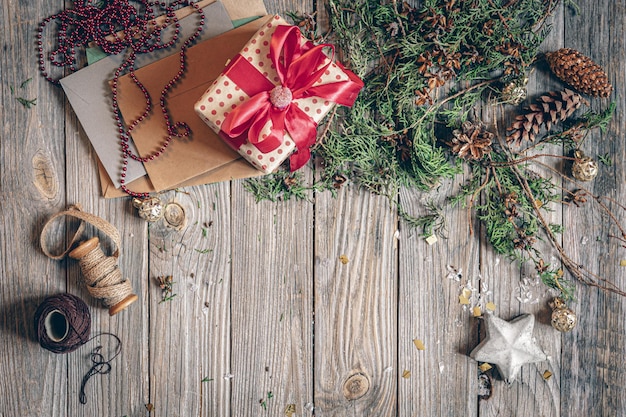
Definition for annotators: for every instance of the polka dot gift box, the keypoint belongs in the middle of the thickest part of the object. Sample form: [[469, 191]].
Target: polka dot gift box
[[267, 102]]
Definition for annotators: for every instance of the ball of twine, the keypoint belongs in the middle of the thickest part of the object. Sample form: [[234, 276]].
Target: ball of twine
[[62, 323]]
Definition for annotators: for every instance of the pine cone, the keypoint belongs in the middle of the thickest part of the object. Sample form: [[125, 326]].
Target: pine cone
[[472, 141], [549, 109], [580, 72]]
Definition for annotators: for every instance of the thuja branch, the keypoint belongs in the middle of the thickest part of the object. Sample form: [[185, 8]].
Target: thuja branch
[[597, 198], [578, 271]]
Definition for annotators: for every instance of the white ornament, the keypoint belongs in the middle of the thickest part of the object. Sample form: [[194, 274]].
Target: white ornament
[[509, 345]]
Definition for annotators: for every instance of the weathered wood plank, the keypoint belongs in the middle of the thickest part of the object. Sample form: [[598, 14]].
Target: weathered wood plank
[[190, 334], [595, 350], [32, 184], [443, 378], [355, 368], [355, 305], [271, 305]]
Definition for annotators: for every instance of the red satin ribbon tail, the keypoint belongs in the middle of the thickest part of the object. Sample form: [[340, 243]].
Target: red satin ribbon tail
[[303, 131], [299, 159]]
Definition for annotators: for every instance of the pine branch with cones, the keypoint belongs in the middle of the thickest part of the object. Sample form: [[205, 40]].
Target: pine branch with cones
[[549, 109]]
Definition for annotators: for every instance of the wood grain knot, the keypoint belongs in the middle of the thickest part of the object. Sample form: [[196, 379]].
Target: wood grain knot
[[45, 176], [356, 386]]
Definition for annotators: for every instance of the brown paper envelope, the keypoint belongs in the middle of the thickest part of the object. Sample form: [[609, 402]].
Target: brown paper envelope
[[234, 170], [204, 151]]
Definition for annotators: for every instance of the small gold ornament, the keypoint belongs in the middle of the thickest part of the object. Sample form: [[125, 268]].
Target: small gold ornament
[[515, 91], [149, 209], [563, 318], [584, 168]]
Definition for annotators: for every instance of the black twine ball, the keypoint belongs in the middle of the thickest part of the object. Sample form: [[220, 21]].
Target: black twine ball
[[62, 323]]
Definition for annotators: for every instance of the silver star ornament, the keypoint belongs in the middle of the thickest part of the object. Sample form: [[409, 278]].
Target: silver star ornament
[[509, 345]]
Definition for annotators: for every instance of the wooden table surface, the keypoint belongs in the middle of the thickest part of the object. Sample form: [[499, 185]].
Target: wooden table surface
[[266, 313]]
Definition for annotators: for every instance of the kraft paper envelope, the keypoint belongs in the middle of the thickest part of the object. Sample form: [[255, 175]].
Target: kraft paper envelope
[[89, 93], [234, 170], [204, 153]]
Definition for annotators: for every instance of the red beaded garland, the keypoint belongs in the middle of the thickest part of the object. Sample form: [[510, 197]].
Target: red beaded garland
[[117, 26]]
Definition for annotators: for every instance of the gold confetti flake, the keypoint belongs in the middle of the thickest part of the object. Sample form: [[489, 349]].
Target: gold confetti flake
[[290, 410], [622, 262], [490, 306], [343, 259], [431, 240], [547, 375], [484, 367], [419, 344], [476, 311], [406, 374], [465, 296]]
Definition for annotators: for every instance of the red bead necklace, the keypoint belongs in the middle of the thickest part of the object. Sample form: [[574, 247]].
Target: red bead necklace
[[115, 27]]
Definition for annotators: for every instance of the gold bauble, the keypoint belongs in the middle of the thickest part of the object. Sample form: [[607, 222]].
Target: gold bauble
[[563, 318], [584, 168], [515, 91], [149, 209]]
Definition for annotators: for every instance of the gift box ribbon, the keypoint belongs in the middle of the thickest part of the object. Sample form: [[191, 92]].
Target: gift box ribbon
[[298, 69]]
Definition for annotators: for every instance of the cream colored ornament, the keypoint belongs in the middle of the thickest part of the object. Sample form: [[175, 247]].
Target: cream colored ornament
[[149, 209], [584, 168], [563, 318], [515, 91], [509, 345]]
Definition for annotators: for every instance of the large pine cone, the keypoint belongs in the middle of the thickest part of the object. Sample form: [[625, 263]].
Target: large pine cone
[[548, 110], [580, 72]]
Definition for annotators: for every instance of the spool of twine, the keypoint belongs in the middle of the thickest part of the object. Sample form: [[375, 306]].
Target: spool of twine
[[101, 273], [62, 323]]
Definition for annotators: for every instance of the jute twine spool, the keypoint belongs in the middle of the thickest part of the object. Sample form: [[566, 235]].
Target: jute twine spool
[[62, 323], [101, 273]]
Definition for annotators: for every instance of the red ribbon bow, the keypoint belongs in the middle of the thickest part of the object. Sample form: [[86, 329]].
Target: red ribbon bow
[[298, 68]]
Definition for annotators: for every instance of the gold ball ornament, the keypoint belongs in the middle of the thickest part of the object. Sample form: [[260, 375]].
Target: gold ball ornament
[[515, 91], [149, 209], [563, 318], [584, 168]]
